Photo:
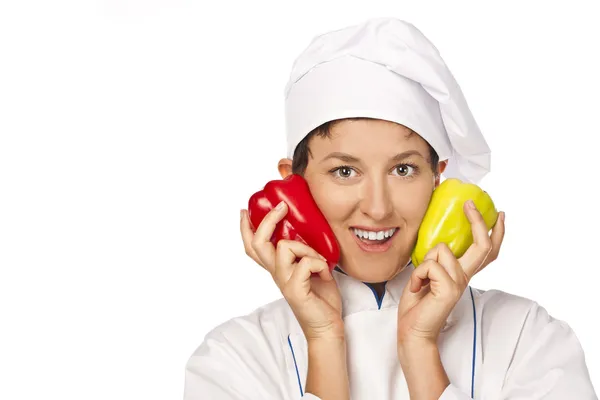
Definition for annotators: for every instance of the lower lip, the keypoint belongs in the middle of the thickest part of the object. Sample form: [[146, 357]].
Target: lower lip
[[374, 248]]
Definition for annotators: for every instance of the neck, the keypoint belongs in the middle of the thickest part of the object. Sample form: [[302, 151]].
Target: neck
[[379, 288]]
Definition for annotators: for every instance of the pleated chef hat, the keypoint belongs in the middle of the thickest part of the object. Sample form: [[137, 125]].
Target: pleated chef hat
[[385, 68]]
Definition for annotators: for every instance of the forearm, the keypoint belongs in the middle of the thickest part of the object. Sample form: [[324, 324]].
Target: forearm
[[327, 370], [423, 369]]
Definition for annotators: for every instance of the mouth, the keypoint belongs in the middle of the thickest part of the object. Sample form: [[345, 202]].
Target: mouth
[[374, 240]]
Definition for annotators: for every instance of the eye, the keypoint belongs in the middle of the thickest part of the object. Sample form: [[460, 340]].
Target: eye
[[342, 172], [345, 172], [406, 169]]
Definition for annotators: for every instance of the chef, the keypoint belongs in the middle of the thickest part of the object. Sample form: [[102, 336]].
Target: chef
[[373, 119]]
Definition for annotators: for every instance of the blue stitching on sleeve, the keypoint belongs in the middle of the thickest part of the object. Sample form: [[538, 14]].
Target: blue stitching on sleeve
[[474, 343], [296, 365]]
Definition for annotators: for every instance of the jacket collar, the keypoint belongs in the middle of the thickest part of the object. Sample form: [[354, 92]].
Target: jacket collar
[[359, 296]]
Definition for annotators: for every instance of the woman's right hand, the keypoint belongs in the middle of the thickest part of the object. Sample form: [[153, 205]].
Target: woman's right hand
[[315, 300]]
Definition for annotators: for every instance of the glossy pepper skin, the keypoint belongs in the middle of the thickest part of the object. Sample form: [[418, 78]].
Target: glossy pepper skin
[[304, 220], [446, 222]]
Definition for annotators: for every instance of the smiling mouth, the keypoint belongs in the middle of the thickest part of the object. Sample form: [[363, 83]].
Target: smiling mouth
[[374, 237]]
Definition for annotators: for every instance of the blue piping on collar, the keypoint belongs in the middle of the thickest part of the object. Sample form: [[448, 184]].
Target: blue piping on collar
[[377, 299], [339, 270]]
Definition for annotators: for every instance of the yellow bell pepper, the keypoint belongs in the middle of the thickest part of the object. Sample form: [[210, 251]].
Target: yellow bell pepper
[[446, 222]]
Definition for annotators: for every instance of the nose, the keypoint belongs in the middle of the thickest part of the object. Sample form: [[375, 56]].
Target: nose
[[376, 199]]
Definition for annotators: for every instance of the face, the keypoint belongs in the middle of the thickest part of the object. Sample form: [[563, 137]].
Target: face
[[371, 178]]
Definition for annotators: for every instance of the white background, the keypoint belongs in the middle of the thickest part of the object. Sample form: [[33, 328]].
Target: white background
[[133, 131]]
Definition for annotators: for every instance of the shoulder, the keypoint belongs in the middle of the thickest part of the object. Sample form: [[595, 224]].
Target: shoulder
[[244, 356], [519, 325], [267, 325], [269, 319], [501, 304], [504, 307], [524, 345]]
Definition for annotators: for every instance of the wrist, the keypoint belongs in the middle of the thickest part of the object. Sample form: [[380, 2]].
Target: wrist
[[413, 348], [325, 347], [324, 334], [327, 376], [421, 363], [325, 338]]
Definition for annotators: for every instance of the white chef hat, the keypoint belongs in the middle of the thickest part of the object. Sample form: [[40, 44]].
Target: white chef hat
[[385, 68]]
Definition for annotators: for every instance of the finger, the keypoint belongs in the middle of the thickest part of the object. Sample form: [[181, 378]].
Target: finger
[[482, 243], [261, 243], [441, 282], [297, 287], [442, 254], [416, 289], [413, 294], [497, 238], [247, 236], [286, 254]]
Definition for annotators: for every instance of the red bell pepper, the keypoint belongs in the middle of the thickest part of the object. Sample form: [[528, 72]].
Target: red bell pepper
[[304, 220]]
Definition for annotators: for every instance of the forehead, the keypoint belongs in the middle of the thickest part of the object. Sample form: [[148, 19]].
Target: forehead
[[368, 137]]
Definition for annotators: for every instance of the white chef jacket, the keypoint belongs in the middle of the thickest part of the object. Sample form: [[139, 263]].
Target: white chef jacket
[[494, 346]]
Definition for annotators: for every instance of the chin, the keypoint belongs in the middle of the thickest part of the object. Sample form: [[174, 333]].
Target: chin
[[372, 271]]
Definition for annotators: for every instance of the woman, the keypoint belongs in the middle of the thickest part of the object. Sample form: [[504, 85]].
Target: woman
[[373, 118]]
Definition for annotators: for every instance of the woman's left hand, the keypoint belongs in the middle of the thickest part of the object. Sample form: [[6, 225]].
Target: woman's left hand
[[437, 284]]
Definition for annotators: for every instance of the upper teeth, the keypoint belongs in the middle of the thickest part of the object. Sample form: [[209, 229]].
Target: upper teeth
[[371, 235]]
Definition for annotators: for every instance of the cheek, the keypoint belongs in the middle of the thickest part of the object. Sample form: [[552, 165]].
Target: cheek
[[412, 204], [335, 202]]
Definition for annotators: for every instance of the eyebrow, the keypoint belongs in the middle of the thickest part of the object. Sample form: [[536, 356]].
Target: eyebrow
[[351, 159]]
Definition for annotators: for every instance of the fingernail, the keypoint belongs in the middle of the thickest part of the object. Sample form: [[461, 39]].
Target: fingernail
[[470, 204], [502, 215], [241, 214], [279, 206]]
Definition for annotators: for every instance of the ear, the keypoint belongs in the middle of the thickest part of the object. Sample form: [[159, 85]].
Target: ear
[[441, 167], [285, 167]]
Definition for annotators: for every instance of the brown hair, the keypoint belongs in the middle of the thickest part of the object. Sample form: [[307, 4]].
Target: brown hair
[[301, 153]]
